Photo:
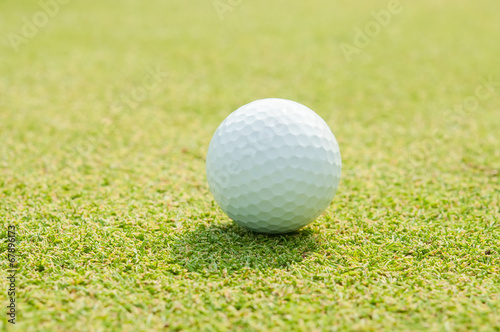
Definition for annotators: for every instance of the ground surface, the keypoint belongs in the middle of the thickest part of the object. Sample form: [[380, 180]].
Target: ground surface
[[106, 112]]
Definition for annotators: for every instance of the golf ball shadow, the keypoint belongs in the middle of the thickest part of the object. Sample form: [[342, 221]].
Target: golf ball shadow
[[213, 248]]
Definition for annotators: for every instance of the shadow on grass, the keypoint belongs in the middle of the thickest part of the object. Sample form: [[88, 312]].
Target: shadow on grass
[[214, 248]]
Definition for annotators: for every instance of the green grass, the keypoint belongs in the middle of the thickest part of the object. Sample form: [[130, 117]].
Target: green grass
[[117, 230]]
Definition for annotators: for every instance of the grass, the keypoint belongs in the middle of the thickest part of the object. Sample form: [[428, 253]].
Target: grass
[[105, 181]]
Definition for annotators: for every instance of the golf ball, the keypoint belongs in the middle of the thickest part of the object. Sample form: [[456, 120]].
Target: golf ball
[[273, 166]]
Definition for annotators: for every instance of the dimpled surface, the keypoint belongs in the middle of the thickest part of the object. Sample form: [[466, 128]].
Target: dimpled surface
[[273, 166]]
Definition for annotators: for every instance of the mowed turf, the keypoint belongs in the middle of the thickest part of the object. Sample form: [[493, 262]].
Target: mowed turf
[[106, 112]]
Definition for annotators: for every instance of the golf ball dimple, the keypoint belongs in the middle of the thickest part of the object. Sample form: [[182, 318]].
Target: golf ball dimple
[[273, 166]]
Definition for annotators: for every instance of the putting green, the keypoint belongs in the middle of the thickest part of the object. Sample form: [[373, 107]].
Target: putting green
[[106, 112]]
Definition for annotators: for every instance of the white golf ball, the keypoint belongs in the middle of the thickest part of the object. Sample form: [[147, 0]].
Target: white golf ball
[[273, 166]]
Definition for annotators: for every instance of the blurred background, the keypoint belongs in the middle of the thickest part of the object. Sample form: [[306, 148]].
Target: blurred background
[[70, 68]]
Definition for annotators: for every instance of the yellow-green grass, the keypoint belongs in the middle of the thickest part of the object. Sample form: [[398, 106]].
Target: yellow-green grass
[[102, 168]]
